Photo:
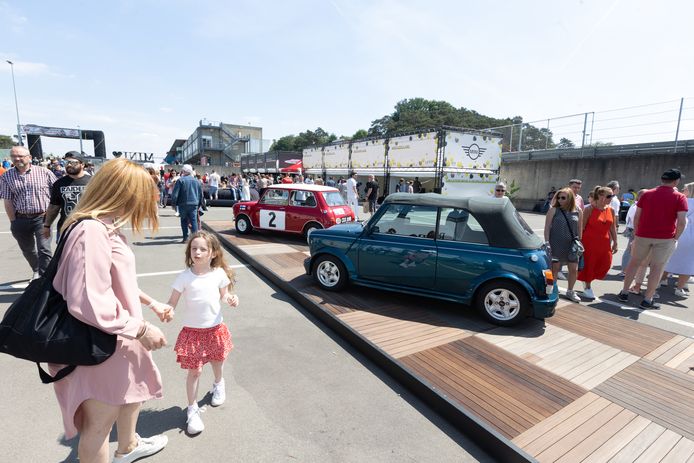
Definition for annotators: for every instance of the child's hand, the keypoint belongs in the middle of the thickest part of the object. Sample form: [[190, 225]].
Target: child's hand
[[164, 311], [232, 300]]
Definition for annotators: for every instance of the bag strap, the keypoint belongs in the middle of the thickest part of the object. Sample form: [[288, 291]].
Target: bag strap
[[567, 223], [47, 379]]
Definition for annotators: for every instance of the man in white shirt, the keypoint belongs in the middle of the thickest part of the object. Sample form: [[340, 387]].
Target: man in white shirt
[[353, 195], [615, 203], [214, 185]]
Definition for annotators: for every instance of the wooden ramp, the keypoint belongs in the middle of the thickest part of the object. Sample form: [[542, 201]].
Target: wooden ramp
[[584, 386]]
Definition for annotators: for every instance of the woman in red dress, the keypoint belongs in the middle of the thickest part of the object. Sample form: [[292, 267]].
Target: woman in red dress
[[599, 230]]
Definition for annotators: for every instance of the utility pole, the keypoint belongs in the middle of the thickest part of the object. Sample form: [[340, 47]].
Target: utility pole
[[16, 106], [679, 118]]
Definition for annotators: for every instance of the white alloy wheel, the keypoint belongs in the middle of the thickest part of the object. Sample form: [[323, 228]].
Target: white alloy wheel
[[328, 274], [502, 304]]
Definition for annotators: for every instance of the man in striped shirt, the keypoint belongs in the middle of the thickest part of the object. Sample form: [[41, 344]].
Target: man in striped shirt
[[26, 191]]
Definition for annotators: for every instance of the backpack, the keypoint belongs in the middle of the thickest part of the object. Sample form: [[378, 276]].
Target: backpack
[[38, 327]]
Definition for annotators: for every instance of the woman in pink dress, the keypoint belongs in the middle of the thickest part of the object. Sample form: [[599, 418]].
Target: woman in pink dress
[[96, 276]]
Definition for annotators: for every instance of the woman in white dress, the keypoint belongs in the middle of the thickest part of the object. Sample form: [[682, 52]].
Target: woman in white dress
[[245, 190], [682, 261]]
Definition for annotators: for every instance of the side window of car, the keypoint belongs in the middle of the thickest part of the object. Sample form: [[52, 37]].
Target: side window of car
[[276, 197], [460, 225], [303, 199], [408, 220]]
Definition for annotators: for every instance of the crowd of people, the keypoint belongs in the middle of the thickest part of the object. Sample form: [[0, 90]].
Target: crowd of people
[[582, 235]]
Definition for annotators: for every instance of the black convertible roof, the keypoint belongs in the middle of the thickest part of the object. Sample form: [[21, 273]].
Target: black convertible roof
[[504, 227]]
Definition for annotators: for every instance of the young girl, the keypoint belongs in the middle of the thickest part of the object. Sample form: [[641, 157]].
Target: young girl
[[204, 337]]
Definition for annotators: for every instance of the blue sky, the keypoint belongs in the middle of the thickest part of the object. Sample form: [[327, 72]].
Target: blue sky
[[145, 72]]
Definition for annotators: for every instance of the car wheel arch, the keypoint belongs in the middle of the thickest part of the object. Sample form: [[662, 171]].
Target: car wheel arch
[[310, 224]]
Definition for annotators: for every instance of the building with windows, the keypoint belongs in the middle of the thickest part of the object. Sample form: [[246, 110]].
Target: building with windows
[[221, 144]]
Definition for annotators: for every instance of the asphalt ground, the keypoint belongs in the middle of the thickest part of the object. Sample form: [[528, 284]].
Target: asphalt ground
[[295, 392]]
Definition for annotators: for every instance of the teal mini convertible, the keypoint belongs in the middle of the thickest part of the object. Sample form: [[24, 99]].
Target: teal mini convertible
[[476, 251]]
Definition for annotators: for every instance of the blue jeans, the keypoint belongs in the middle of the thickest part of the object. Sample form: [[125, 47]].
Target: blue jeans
[[188, 215]]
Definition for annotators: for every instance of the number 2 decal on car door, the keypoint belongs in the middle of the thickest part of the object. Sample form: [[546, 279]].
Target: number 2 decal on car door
[[273, 220]]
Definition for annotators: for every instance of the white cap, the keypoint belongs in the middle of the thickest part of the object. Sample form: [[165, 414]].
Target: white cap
[[187, 169]]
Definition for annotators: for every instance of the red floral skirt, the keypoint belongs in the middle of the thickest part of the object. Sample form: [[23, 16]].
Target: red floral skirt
[[197, 346]]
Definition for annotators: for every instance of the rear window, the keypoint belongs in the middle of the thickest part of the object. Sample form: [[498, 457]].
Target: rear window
[[529, 231], [334, 198]]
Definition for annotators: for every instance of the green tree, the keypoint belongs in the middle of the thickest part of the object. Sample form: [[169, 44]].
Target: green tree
[[304, 139], [565, 143], [361, 133], [6, 142]]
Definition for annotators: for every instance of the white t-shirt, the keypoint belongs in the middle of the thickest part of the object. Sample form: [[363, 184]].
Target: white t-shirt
[[214, 179], [351, 187], [201, 295], [630, 216], [615, 204]]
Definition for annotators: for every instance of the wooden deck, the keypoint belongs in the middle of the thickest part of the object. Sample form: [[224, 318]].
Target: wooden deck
[[585, 386]]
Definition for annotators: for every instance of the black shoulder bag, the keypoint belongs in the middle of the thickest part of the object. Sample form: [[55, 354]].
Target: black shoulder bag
[[577, 248], [38, 327]]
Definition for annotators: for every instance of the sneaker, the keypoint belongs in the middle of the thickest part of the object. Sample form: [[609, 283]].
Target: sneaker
[[646, 304], [621, 274], [571, 295], [623, 296], [664, 282], [219, 395], [656, 295], [588, 293], [680, 292], [635, 290], [195, 424], [177, 214], [146, 446], [561, 276]]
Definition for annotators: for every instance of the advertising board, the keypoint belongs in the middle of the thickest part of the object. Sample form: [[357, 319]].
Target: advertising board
[[313, 160], [271, 161], [468, 184], [413, 151], [472, 151], [369, 154], [336, 157]]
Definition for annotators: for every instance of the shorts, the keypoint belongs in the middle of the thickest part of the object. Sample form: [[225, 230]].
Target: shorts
[[197, 346], [660, 249], [213, 190]]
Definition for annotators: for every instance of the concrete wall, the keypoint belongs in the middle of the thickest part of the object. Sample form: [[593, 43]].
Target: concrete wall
[[536, 178]]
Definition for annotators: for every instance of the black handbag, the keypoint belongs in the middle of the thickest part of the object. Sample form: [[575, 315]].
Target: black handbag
[[38, 327]]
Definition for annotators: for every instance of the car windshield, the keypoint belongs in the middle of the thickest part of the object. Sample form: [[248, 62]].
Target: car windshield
[[333, 198]]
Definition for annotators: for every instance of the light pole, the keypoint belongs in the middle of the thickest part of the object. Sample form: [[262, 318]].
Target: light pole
[[80, 132], [16, 106]]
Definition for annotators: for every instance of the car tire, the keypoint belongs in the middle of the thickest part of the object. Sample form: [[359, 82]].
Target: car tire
[[311, 226], [243, 225], [330, 273], [503, 302]]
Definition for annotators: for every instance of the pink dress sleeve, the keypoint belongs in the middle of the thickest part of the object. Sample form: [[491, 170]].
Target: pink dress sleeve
[[84, 280]]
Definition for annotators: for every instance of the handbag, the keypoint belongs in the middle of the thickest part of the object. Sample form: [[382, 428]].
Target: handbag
[[576, 250], [38, 327]]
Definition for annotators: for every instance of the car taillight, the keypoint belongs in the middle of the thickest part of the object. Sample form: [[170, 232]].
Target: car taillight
[[330, 214], [549, 281]]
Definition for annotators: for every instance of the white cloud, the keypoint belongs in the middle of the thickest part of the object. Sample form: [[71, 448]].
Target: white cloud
[[12, 18]]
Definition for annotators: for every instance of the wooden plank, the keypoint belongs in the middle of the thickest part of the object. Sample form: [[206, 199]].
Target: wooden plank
[[660, 447], [599, 375], [686, 354], [550, 423], [579, 434], [598, 437], [664, 348], [630, 452], [682, 451], [566, 427], [618, 441]]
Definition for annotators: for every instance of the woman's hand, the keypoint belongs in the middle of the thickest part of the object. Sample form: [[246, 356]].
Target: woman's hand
[[164, 311], [153, 338], [614, 247], [231, 299]]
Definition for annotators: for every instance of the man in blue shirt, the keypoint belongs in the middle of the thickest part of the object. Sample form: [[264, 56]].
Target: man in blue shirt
[[187, 196]]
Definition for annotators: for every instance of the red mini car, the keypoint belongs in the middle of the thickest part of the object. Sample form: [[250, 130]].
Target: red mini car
[[294, 208]]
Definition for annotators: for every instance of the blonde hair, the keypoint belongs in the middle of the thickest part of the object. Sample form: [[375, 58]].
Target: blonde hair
[[570, 204], [218, 260], [690, 189], [119, 187]]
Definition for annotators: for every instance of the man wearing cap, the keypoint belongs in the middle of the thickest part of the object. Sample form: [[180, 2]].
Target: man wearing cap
[[187, 196], [26, 191], [66, 192], [661, 216]]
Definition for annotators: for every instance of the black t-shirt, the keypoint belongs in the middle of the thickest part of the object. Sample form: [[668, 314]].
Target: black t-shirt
[[374, 190], [66, 193]]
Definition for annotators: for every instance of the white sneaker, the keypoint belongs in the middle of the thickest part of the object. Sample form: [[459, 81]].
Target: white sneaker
[[146, 446], [219, 395], [177, 214], [680, 292], [588, 293], [664, 283], [195, 424], [571, 295], [561, 276]]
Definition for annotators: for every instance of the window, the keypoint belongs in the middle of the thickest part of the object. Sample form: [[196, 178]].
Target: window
[[408, 220], [277, 197], [334, 198], [303, 199], [206, 141], [460, 225]]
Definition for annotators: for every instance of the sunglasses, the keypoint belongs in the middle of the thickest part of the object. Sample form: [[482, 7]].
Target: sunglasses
[[561, 198], [609, 196], [500, 190], [69, 163]]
